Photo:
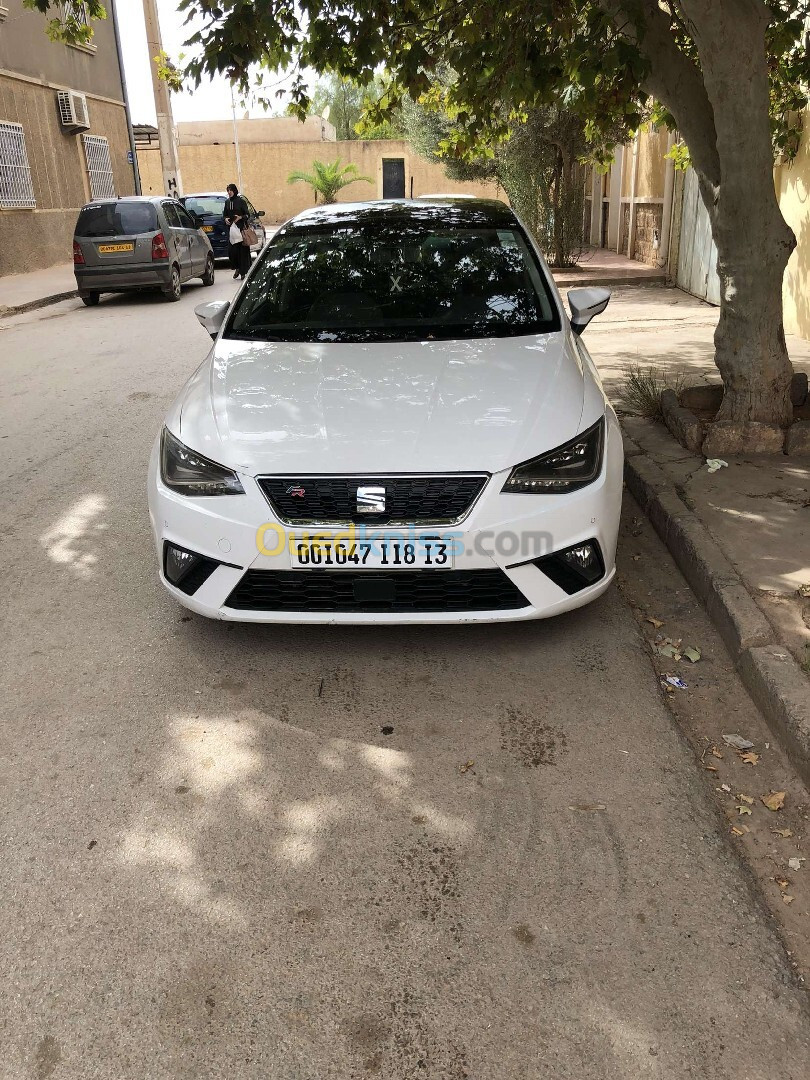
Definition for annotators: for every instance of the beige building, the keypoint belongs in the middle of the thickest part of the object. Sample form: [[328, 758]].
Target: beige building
[[642, 207], [270, 129], [394, 170], [628, 209], [793, 191], [64, 135]]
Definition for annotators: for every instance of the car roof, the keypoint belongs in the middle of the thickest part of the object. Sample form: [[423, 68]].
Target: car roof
[[128, 198], [204, 195], [459, 212]]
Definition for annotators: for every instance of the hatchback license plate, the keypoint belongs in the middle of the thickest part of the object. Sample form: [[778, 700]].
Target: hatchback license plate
[[108, 249], [208, 228], [421, 554]]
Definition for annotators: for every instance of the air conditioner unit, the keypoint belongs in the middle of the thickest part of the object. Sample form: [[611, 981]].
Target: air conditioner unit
[[73, 110]]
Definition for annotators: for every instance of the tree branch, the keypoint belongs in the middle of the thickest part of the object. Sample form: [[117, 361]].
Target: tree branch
[[675, 79]]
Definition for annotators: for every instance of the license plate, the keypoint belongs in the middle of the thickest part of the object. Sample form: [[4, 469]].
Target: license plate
[[419, 554], [208, 228], [108, 249]]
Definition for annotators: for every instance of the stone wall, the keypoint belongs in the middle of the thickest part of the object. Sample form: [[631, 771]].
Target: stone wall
[[649, 217]]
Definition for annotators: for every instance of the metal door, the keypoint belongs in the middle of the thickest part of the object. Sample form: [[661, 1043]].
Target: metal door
[[697, 257], [393, 178]]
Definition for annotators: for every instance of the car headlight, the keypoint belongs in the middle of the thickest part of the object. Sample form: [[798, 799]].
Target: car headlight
[[188, 472], [570, 466]]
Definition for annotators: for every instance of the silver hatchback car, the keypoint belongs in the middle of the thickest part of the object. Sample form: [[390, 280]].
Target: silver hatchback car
[[137, 243]]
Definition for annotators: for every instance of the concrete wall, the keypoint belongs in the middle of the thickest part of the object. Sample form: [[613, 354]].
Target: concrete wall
[[793, 191], [34, 239], [272, 129], [652, 145], [26, 50], [265, 169], [650, 168], [614, 187]]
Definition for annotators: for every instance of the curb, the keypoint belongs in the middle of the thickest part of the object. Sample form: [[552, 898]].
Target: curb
[[589, 280], [768, 671], [32, 305]]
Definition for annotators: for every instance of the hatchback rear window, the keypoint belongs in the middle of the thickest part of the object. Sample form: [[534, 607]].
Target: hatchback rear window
[[117, 219], [395, 283], [205, 204]]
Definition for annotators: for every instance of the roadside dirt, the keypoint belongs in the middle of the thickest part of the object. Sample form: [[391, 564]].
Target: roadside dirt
[[713, 704]]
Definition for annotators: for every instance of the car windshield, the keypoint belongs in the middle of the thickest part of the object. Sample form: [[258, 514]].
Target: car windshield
[[394, 282], [117, 219], [205, 204]]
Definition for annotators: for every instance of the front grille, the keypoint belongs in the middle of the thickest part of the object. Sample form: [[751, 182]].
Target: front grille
[[415, 591], [429, 500]]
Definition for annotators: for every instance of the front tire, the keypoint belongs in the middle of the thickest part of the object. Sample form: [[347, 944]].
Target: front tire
[[173, 290], [209, 276], [90, 299]]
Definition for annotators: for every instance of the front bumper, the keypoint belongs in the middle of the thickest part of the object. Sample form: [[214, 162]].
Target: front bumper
[[504, 532]]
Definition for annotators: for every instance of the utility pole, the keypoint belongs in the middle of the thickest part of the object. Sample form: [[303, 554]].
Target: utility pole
[[236, 141], [169, 154]]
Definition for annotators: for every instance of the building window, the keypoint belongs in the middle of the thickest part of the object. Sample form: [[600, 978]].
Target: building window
[[75, 11], [16, 189], [99, 167]]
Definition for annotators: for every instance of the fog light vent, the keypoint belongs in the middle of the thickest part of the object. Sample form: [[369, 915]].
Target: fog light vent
[[185, 569], [575, 568]]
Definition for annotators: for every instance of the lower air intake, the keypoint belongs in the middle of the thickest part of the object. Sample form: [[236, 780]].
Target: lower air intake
[[403, 592]]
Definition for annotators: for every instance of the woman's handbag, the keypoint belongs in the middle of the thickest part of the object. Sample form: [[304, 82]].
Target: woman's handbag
[[249, 236]]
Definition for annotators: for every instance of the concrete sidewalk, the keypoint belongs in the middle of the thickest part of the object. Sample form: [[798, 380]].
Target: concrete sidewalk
[[743, 530], [25, 292], [597, 266], [756, 508]]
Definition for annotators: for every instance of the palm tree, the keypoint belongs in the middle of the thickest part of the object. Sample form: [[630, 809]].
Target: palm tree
[[327, 178]]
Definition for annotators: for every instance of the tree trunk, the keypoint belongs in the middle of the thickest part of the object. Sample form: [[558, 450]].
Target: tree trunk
[[567, 202], [753, 240], [723, 111], [556, 209], [753, 246]]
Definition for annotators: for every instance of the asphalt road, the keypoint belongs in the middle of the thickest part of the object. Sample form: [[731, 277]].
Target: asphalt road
[[249, 852]]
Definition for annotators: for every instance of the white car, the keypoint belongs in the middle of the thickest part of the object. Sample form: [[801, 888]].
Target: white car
[[397, 423]]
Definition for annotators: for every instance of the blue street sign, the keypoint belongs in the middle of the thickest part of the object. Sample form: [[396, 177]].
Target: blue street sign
[[130, 157]]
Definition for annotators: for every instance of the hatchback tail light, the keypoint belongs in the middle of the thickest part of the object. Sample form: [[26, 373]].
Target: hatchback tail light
[[159, 249], [78, 254]]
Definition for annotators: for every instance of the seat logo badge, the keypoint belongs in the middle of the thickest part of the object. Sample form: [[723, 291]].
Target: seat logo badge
[[371, 500], [295, 491]]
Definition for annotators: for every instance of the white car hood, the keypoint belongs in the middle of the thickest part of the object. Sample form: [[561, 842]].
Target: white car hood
[[478, 405]]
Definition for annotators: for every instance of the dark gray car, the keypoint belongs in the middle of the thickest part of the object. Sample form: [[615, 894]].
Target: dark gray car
[[137, 243]]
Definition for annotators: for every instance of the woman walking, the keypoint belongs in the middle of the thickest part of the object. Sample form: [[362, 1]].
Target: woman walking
[[236, 217]]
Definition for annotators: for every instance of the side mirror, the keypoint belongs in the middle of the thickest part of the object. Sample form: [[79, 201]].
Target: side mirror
[[585, 304], [212, 315], [260, 213]]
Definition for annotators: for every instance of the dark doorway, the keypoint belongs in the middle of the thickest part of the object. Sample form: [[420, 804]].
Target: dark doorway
[[393, 178]]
